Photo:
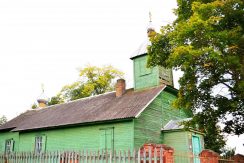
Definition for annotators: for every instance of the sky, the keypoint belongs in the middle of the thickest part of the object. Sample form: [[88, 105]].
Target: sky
[[47, 41]]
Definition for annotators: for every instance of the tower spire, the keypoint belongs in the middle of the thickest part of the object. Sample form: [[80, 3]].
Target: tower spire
[[42, 87], [150, 17], [42, 99], [150, 30]]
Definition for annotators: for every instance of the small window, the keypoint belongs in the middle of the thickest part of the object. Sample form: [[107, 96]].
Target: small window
[[166, 75], [9, 146], [40, 142]]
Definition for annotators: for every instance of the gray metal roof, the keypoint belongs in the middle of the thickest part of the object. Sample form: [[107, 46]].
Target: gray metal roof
[[142, 50], [99, 108], [175, 124]]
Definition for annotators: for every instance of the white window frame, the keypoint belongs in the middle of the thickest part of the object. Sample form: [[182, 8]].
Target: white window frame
[[38, 144], [9, 146]]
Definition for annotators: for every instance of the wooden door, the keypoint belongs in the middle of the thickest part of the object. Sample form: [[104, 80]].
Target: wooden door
[[196, 148]]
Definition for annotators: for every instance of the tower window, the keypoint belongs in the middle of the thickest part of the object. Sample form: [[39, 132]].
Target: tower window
[[143, 67], [166, 75]]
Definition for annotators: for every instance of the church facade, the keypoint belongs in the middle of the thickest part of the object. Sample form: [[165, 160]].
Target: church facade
[[124, 119]]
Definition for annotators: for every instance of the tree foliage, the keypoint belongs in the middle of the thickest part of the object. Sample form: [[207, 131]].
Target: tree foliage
[[206, 42], [92, 81], [228, 152], [214, 138], [3, 120], [34, 106], [58, 99]]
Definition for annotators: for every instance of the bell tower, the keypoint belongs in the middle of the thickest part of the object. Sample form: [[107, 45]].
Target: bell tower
[[145, 77]]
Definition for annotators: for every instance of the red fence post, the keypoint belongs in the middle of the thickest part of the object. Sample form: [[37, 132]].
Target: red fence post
[[239, 158], [209, 156]]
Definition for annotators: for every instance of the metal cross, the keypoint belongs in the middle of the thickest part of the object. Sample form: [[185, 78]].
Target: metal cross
[[42, 88], [150, 16]]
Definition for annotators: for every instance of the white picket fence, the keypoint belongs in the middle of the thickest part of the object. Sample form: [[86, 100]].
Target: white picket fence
[[86, 156]]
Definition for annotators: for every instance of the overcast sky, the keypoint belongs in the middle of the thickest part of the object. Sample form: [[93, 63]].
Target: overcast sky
[[46, 41]]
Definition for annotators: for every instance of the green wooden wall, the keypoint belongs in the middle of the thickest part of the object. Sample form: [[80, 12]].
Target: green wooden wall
[[178, 140], [159, 112], [181, 141], [168, 111], [9, 135], [74, 138], [149, 77], [144, 77], [148, 125]]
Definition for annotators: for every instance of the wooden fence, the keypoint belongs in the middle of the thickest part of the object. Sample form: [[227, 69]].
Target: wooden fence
[[86, 156]]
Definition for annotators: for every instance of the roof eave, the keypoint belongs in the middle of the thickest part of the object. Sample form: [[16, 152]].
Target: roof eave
[[172, 89], [6, 129], [136, 56], [182, 129], [173, 130], [197, 131], [74, 125]]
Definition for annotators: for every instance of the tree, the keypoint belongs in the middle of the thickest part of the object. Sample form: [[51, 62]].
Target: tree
[[228, 152], [214, 138], [56, 100], [92, 81], [206, 42], [3, 120], [34, 106]]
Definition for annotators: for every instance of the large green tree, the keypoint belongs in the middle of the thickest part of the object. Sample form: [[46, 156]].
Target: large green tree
[[206, 42], [92, 80]]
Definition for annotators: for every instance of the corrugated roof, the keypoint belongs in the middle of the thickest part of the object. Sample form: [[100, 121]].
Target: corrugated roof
[[93, 109], [142, 50], [175, 124]]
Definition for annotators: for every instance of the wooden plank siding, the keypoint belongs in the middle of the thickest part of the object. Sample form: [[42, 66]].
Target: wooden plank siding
[[168, 111], [181, 141], [178, 140], [74, 138], [148, 125], [9, 135], [144, 77]]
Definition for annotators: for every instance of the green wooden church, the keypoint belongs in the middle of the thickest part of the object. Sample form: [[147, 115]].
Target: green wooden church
[[121, 120]]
